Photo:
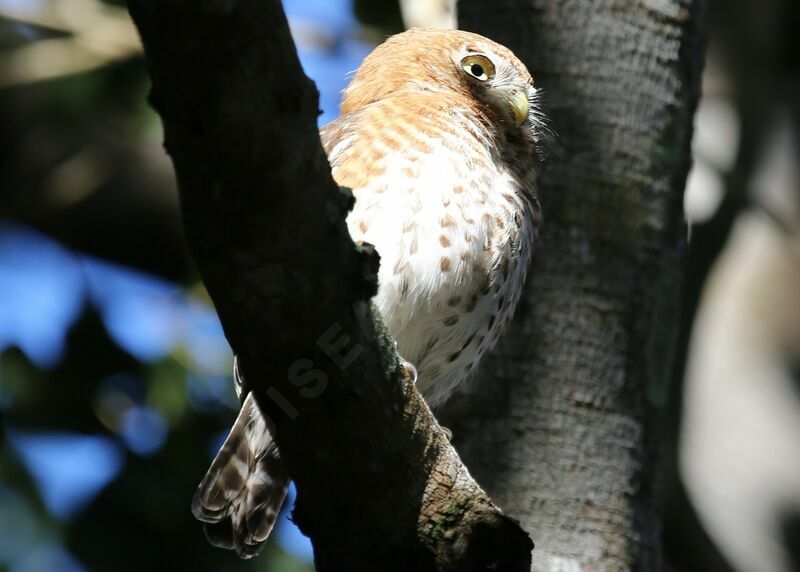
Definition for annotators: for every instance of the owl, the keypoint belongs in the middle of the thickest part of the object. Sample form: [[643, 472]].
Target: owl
[[438, 139]]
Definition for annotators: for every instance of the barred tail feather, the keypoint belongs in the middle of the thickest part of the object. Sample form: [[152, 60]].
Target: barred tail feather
[[242, 493]]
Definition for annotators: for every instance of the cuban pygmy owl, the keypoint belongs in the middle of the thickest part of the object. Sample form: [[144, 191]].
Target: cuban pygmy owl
[[437, 139]]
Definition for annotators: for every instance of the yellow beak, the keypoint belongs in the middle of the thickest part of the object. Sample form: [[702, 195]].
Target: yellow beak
[[519, 106]]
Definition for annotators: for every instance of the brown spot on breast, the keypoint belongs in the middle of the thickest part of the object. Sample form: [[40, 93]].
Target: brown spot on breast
[[409, 226], [444, 241], [465, 256], [414, 247], [376, 155], [454, 301], [362, 226], [499, 222], [458, 189], [390, 141], [447, 220], [422, 147], [444, 264], [470, 305], [451, 320]]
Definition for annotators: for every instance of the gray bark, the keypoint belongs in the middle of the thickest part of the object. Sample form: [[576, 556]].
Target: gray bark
[[379, 487], [562, 427]]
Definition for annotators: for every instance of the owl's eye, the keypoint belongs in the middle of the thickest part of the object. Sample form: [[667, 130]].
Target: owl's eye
[[479, 67]]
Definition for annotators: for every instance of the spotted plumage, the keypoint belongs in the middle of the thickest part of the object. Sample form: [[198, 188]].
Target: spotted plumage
[[442, 172], [437, 139]]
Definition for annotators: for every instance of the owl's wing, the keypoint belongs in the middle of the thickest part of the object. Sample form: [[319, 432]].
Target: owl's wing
[[345, 133], [242, 493], [337, 131]]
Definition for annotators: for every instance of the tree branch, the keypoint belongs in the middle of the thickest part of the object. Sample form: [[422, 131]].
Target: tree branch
[[379, 487]]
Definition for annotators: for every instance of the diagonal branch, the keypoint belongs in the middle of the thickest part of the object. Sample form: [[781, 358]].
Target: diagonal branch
[[379, 487]]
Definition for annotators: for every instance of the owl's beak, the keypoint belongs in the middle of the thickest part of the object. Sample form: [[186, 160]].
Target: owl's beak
[[519, 106]]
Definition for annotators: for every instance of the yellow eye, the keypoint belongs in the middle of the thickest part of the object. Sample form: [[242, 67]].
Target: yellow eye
[[479, 67]]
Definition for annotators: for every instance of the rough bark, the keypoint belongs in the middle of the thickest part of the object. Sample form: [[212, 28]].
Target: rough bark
[[562, 426], [379, 487]]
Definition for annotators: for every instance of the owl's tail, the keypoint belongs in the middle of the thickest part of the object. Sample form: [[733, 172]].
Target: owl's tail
[[242, 493]]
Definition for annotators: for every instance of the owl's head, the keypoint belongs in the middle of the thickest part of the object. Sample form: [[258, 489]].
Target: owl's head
[[486, 73]]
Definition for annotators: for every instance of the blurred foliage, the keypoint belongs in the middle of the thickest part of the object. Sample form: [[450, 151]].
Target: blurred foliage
[[141, 520]]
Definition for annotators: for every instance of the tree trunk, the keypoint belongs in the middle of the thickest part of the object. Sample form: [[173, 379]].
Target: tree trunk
[[562, 426], [379, 487]]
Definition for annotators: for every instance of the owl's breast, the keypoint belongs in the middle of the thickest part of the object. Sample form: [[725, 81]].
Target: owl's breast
[[454, 234]]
